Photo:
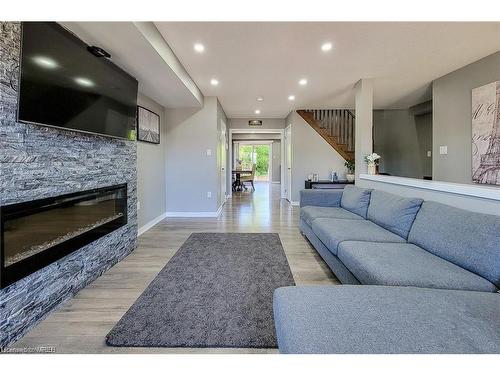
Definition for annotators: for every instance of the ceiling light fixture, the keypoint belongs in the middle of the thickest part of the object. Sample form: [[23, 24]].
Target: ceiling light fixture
[[260, 99], [257, 111], [84, 82], [214, 82], [198, 47], [291, 97], [326, 47], [303, 82], [45, 62]]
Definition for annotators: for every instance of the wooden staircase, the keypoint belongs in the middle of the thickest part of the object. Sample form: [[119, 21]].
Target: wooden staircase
[[336, 126]]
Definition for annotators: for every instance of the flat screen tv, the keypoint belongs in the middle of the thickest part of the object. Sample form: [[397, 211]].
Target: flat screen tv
[[64, 85]]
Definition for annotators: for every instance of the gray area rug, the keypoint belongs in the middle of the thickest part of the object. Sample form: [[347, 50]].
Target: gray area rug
[[216, 291]]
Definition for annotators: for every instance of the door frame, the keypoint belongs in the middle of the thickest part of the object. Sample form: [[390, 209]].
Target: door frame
[[222, 149], [288, 178], [229, 163]]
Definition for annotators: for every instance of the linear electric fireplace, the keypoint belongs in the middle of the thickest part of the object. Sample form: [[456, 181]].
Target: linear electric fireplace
[[37, 233]]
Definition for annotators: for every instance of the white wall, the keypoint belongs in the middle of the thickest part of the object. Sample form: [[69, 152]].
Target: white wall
[[191, 173], [151, 171], [310, 154]]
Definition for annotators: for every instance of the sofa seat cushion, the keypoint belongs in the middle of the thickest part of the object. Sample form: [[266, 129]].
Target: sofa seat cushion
[[403, 264], [333, 231], [309, 213], [385, 319], [356, 200], [393, 212]]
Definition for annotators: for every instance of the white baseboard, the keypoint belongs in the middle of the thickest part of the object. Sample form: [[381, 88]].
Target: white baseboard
[[151, 224], [195, 214]]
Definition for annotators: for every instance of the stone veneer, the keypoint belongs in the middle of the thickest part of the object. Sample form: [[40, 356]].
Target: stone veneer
[[39, 162]]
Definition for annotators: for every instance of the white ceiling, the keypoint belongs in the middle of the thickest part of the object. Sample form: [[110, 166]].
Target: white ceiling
[[132, 51], [268, 59]]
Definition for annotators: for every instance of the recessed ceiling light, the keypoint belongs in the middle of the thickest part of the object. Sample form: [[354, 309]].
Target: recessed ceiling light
[[45, 62], [291, 97], [84, 82], [198, 47], [214, 82], [260, 99], [303, 82], [326, 46], [257, 111]]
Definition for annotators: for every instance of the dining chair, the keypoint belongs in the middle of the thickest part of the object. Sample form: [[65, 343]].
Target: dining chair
[[249, 177]]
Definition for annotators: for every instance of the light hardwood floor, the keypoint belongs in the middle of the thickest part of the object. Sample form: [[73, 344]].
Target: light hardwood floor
[[80, 325]]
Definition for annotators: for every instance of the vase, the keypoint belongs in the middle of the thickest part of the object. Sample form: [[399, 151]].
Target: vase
[[349, 177], [372, 169]]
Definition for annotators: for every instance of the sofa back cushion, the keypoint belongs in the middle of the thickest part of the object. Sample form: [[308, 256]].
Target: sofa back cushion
[[356, 200], [470, 240], [393, 212]]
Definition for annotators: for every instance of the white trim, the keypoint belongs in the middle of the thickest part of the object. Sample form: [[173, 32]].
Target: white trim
[[192, 214], [276, 182], [195, 214], [151, 224], [254, 142], [442, 186]]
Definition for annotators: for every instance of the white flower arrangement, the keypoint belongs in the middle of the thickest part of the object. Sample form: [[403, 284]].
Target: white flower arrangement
[[372, 159]]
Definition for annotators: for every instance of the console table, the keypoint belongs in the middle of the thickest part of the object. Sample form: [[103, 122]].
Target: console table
[[327, 184]]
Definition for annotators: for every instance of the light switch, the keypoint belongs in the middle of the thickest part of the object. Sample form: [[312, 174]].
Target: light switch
[[429, 154], [443, 150], [209, 152]]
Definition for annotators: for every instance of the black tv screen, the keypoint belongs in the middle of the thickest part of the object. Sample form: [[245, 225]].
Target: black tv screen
[[64, 85]]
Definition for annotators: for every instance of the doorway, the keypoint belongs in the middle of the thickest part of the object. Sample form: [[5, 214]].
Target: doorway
[[273, 137], [258, 154]]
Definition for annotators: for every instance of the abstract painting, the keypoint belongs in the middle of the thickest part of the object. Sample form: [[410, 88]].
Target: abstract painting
[[148, 125], [486, 134]]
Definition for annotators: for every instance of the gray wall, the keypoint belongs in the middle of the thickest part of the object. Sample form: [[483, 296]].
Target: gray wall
[[267, 123], [310, 154], [151, 167], [39, 162], [190, 172], [402, 140], [452, 117]]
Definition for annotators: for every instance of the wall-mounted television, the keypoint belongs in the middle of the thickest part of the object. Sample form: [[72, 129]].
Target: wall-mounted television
[[62, 84]]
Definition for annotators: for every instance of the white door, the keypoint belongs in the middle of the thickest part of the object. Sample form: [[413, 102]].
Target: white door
[[222, 162], [288, 163]]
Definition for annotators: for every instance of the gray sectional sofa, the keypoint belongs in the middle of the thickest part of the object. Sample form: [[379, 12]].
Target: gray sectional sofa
[[430, 275]]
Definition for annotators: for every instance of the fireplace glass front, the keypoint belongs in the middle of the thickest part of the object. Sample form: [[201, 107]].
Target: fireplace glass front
[[39, 232]]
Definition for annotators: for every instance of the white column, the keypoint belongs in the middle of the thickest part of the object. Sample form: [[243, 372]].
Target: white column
[[364, 123]]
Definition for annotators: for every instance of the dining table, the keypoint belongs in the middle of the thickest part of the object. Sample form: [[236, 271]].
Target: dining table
[[237, 184]]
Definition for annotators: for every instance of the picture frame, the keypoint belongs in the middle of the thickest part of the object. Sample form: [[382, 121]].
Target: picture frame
[[148, 125], [485, 134]]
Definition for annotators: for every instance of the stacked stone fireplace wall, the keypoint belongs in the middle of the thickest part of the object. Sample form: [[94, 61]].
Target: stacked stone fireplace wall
[[39, 162]]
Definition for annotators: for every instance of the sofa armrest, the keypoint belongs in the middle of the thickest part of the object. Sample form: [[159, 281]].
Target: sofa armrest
[[321, 197]]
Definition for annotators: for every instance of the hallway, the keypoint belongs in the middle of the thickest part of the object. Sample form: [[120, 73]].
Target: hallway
[[81, 324]]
